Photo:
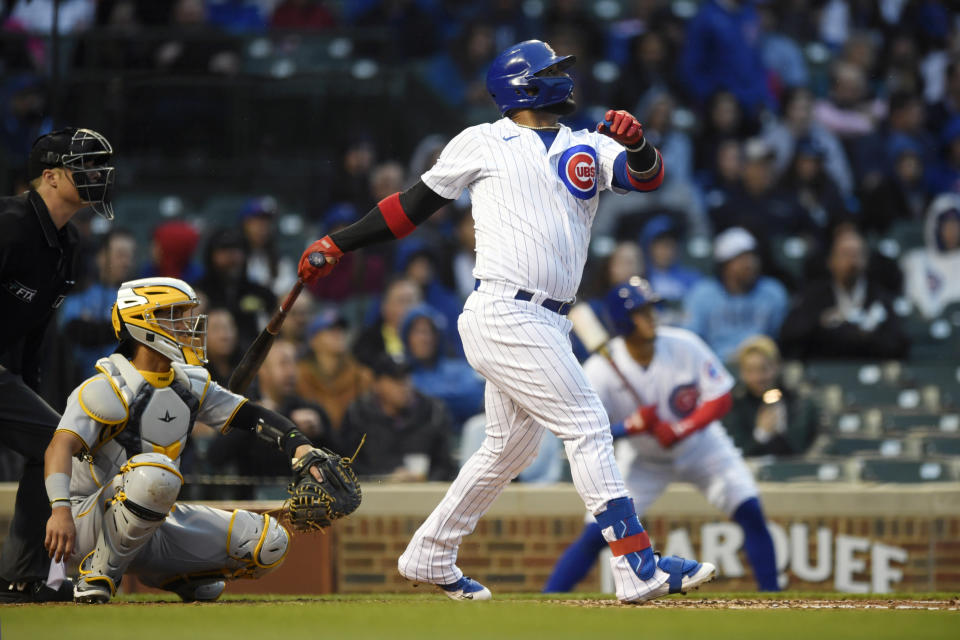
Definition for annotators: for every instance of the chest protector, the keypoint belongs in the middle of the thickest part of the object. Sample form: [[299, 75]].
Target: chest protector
[[160, 418]]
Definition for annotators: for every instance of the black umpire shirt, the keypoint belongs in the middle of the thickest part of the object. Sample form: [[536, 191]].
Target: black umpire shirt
[[37, 269]]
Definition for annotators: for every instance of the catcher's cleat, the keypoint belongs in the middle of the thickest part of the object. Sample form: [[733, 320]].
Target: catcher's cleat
[[466, 589], [682, 575], [200, 590], [96, 592]]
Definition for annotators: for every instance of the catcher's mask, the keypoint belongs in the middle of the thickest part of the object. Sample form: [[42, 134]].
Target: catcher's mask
[[87, 154], [160, 313]]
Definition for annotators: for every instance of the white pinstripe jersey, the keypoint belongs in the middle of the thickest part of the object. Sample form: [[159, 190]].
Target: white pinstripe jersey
[[684, 372], [532, 207]]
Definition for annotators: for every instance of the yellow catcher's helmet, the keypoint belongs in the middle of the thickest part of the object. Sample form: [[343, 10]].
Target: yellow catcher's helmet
[[160, 313]]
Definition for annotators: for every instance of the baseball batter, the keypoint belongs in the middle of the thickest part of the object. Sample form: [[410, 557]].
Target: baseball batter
[[533, 184], [676, 434], [112, 467]]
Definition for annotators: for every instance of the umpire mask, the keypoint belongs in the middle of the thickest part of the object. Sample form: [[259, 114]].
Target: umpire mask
[[87, 154]]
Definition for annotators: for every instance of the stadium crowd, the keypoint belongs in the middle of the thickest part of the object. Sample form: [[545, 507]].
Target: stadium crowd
[[811, 204]]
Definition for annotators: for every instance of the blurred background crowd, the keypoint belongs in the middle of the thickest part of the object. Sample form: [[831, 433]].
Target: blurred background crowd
[[808, 227]]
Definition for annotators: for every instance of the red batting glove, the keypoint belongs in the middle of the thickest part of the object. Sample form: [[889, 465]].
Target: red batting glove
[[643, 419], [331, 254], [669, 433], [622, 127]]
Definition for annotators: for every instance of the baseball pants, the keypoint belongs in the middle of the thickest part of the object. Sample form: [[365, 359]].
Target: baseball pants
[[192, 541], [533, 382]]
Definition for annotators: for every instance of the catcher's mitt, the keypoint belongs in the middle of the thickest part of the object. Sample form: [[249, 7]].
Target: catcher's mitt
[[315, 505]]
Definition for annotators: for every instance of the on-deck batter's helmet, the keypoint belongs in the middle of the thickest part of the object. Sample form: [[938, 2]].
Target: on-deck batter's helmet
[[513, 82], [624, 299]]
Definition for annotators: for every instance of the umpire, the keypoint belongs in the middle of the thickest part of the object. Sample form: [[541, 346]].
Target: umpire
[[69, 170]]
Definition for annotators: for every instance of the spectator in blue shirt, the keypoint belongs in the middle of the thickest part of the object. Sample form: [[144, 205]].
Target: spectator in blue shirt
[[668, 277], [236, 16], [723, 52], [738, 302], [448, 379]]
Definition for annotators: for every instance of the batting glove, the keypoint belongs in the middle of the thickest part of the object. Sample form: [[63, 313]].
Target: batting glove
[[622, 127], [670, 433], [643, 419], [325, 246]]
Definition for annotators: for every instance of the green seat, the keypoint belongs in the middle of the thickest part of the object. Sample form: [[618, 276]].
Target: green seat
[[943, 375], [941, 445], [851, 374], [847, 446], [795, 471], [907, 233], [910, 421], [905, 471]]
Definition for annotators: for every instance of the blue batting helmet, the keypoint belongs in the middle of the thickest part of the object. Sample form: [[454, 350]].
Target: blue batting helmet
[[624, 299], [513, 82]]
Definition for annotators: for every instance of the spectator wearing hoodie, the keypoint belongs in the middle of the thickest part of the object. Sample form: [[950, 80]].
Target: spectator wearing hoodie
[[419, 262], [226, 284], [329, 375], [265, 265], [449, 379], [171, 252], [671, 279], [930, 273]]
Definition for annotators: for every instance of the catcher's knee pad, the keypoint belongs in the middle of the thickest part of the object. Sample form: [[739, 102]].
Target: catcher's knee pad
[[148, 490], [150, 485], [257, 542]]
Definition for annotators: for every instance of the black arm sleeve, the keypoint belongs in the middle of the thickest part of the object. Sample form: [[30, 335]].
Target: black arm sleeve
[[271, 426], [419, 202], [644, 160]]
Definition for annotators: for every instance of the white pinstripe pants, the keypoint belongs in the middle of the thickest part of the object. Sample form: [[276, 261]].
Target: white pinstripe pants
[[533, 382]]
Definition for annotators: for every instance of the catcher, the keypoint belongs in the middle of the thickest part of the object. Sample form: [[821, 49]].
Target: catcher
[[112, 467]]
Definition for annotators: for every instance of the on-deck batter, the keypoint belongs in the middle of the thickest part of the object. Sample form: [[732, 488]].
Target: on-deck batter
[[675, 436], [533, 184]]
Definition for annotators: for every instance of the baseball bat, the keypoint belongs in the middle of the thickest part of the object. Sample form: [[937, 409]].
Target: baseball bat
[[595, 338], [243, 375]]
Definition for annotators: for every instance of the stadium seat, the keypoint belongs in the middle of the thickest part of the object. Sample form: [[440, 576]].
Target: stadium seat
[[797, 471], [901, 422], [907, 234], [851, 373], [847, 446], [943, 377], [941, 445], [879, 470]]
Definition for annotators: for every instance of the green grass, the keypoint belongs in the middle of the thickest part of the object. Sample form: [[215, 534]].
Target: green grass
[[425, 617]]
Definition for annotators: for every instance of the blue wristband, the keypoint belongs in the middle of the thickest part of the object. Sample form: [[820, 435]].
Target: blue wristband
[[618, 430]]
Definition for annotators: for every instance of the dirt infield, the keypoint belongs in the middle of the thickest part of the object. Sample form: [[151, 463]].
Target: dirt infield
[[952, 604]]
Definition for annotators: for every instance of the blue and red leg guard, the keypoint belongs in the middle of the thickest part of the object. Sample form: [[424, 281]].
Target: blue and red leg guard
[[623, 532]]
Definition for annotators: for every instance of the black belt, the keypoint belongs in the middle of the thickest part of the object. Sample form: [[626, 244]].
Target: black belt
[[557, 306]]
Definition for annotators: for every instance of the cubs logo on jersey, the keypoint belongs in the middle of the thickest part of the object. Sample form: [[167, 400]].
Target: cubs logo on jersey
[[683, 399], [578, 171]]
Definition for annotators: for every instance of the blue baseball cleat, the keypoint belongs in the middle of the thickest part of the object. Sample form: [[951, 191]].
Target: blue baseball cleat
[[674, 575], [466, 589], [685, 574]]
